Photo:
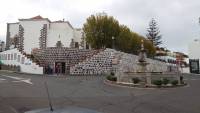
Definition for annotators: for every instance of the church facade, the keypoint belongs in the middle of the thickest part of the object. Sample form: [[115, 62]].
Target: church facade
[[36, 43], [39, 33]]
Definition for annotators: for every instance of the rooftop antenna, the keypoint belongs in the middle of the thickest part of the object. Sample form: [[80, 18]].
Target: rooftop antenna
[[48, 95]]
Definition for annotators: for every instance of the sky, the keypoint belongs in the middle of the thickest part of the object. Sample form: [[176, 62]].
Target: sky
[[177, 19]]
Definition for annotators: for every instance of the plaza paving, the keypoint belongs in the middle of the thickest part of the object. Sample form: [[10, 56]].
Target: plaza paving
[[23, 92]]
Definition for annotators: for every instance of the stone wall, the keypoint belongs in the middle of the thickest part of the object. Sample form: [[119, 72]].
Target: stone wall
[[129, 63], [98, 64], [49, 56], [110, 60]]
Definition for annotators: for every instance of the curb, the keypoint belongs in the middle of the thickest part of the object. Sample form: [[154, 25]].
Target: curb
[[111, 83]]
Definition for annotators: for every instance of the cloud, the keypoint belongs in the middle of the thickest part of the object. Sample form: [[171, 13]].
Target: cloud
[[177, 19]]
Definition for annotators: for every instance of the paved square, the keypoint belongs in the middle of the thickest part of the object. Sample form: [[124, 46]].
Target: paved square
[[90, 92]]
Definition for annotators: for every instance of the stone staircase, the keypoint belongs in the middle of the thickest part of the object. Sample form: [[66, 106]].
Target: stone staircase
[[32, 58]]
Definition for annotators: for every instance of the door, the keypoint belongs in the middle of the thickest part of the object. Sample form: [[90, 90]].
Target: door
[[194, 65], [60, 67]]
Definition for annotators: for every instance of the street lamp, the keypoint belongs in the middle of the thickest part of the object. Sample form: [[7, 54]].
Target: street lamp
[[113, 42]]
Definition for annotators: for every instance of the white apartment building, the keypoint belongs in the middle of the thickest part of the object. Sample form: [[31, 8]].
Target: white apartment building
[[194, 56]]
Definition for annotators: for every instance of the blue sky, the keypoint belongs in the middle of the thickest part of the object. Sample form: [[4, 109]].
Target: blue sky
[[177, 19]]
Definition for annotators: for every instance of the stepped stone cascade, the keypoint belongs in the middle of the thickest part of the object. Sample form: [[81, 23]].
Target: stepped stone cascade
[[111, 60], [100, 63], [50, 55]]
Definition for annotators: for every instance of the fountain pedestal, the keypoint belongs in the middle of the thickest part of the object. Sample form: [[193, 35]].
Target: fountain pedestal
[[142, 73], [143, 64], [148, 79]]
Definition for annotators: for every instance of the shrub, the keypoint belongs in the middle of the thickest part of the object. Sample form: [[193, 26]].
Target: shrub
[[165, 81], [174, 82], [157, 82], [181, 80], [111, 78], [112, 73], [135, 80]]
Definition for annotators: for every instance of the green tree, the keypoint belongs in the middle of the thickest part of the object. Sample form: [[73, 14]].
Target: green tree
[[153, 33], [151, 50], [136, 43], [123, 41], [99, 30]]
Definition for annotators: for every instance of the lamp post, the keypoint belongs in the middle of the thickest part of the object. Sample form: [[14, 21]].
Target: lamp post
[[113, 42]]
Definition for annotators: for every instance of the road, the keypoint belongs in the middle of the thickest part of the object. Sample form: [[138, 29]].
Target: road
[[23, 92]]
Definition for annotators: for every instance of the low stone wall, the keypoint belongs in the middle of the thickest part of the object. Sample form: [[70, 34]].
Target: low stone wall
[[127, 77], [10, 67], [14, 57]]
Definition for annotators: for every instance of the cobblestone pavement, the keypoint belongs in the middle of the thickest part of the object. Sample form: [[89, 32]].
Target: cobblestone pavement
[[23, 92]]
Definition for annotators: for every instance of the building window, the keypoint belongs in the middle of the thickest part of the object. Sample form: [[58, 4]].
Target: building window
[[15, 56], [22, 61], [76, 45], [8, 56], [18, 58], [11, 56]]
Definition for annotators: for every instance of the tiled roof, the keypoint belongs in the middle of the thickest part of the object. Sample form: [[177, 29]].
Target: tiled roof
[[37, 17]]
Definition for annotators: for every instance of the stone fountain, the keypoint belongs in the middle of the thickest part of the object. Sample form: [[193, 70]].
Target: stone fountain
[[131, 67], [142, 63], [142, 59], [141, 72]]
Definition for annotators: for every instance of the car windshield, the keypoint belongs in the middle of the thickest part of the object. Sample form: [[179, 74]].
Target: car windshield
[[95, 56]]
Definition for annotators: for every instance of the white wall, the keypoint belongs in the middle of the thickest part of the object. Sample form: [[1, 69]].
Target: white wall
[[56, 31], [59, 31], [77, 35], [193, 50], [32, 33], [185, 70], [27, 67], [13, 29]]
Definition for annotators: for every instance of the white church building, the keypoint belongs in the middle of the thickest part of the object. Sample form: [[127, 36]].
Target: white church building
[[39, 32]]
